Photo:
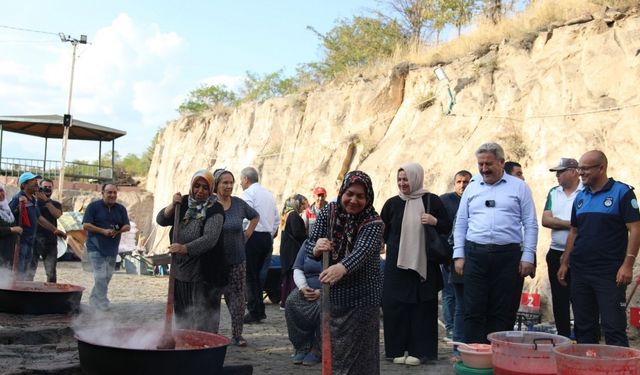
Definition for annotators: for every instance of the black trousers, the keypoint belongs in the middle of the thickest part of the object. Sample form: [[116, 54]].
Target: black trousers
[[597, 300], [258, 248], [490, 281], [49, 253], [560, 295], [411, 327]]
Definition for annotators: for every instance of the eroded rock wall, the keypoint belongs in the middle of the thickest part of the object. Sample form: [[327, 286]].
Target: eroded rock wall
[[557, 94]]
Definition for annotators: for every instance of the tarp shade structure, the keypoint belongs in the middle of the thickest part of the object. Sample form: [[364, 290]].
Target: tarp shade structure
[[51, 126]]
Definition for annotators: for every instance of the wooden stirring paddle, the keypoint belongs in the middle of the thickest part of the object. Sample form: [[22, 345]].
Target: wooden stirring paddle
[[167, 341]]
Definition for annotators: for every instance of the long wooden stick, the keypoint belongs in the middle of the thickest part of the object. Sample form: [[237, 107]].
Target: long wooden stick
[[167, 341], [326, 306]]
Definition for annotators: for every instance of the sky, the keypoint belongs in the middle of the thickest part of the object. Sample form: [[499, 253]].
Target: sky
[[143, 58]]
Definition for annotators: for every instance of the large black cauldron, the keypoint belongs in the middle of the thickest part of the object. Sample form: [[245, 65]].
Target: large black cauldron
[[118, 351], [30, 297]]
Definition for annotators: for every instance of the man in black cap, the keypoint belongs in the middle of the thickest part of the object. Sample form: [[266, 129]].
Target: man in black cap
[[557, 217]]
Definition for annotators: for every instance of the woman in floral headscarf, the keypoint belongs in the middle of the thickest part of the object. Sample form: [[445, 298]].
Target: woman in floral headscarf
[[351, 231], [8, 229], [198, 261], [411, 280]]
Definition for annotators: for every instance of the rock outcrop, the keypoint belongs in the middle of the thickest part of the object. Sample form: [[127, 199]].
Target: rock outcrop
[[564, 91]]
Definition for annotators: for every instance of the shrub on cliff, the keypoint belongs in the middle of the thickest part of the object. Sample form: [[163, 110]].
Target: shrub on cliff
[[207, 96]]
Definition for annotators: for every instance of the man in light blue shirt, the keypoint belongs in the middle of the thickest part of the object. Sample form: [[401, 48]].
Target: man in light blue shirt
[[488, 235]]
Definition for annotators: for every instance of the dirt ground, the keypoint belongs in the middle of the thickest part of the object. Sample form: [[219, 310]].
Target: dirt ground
[[45, 344]]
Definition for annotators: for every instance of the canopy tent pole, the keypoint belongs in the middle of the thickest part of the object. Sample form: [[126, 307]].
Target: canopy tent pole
[[113, 159], [99, 157], [44, 165]]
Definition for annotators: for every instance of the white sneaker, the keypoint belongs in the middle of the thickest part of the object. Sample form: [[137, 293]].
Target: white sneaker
[[412, 361], [399, 360]]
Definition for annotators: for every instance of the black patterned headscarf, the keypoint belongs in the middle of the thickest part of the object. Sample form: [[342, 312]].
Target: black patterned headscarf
[[345, 228]]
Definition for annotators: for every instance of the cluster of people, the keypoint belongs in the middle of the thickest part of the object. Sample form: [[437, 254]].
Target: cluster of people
[[30, 219], [224, 243], [491, 224], [223, 249], [594, 222]]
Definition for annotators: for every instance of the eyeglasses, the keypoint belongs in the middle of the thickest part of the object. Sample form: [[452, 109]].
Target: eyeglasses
[[586, 168]]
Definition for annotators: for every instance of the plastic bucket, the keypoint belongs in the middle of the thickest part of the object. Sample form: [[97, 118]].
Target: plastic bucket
[[591, 359], [524, 353]]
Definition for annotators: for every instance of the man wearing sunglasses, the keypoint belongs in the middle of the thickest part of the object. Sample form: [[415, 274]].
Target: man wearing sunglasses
[[46, 245], [557, 217], [601, 250]]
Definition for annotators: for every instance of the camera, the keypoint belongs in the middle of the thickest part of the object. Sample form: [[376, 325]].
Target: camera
[[490, 203], [44, 189]]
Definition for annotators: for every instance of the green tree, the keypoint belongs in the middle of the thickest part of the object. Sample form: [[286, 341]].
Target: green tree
[[207, 96], [134, 165], [416, 16], [458, 12], [105, 159], [357, 41], [259, 88]]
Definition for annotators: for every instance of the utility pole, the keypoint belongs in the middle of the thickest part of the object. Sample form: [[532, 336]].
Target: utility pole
[[68, 120]]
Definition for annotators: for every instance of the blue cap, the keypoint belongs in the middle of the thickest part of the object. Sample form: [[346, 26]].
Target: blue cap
[[27, 176]]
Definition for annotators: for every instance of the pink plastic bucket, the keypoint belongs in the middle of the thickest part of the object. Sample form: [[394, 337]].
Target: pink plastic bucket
[[587, 359], [524, 353]]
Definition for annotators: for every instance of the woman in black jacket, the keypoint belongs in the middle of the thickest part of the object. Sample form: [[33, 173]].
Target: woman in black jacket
[[198, 260], [292, 236], [411, 280]]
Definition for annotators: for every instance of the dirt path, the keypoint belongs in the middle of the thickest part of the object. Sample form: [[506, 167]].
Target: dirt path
[[44, 344]]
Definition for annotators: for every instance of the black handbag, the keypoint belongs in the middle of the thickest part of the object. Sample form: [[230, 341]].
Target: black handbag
[[438, 248]]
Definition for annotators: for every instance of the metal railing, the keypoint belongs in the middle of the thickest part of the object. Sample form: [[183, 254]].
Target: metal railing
[[51, 169]]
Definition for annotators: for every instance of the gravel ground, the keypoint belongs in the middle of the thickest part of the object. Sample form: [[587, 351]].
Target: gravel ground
[[45, 344]]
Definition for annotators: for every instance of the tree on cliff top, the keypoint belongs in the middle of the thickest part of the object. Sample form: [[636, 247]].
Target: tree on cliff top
[[358, 41], [207, 96], [259, 88]]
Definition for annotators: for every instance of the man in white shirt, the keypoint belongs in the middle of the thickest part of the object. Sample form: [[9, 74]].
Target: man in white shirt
[[259, 246], [557, 217]]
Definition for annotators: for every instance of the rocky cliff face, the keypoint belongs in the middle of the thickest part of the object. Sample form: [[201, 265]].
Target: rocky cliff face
[[560, 93]]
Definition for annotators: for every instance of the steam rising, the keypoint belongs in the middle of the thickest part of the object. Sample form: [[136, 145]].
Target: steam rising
[[6, 278], [102, 328]]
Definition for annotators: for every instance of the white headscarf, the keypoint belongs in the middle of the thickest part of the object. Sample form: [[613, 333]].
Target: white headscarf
[[5, 211], [412, 253]]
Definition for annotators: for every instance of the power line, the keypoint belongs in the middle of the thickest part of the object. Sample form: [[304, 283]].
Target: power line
[[27, 30], [27, 41]]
